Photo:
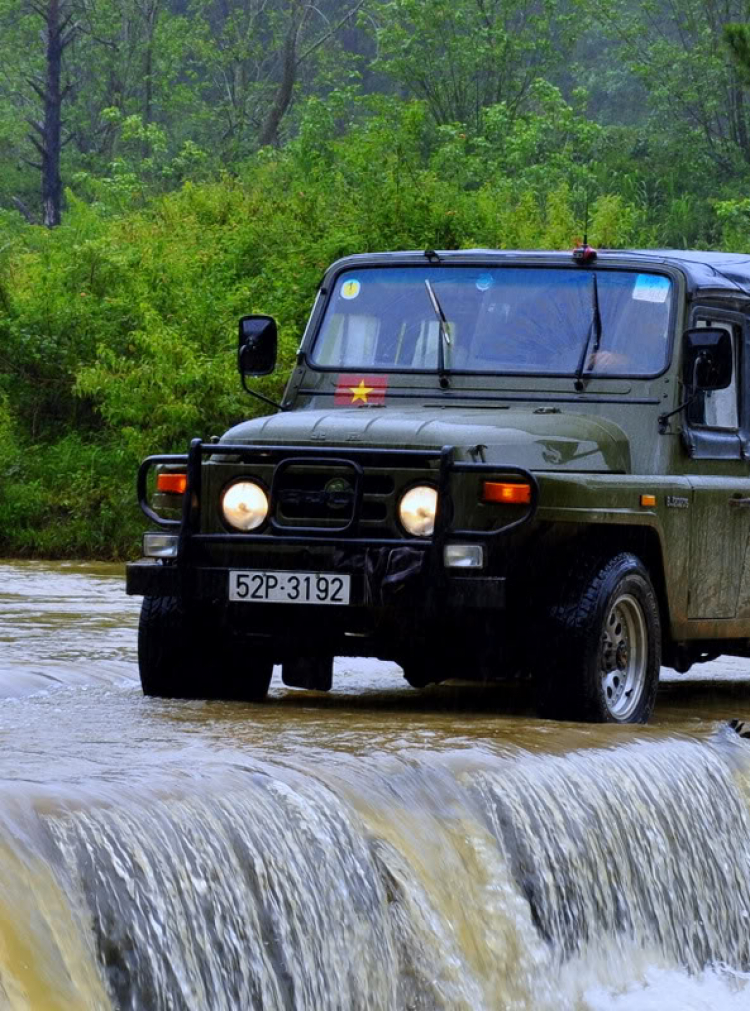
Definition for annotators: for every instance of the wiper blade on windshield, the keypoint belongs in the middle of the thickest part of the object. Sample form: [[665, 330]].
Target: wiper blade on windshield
[[443, 335], [595, 331]]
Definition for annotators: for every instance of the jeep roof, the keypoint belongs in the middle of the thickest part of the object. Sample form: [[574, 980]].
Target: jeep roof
[[704, 271]]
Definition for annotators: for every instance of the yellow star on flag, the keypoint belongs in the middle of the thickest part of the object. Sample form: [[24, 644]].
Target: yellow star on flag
[[360, 392]]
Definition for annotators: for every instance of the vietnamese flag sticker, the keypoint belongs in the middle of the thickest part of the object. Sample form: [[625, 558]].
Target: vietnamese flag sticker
[[360, 391]]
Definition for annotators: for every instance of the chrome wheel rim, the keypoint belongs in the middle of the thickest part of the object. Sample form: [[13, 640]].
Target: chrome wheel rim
[[624, 657]]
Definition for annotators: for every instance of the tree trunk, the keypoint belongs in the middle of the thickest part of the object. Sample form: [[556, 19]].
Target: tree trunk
[[52, 137], [290, 61], [150, 14], [47, 136], [270, 130]]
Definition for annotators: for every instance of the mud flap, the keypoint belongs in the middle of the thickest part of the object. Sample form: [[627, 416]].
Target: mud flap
[[313, 673]]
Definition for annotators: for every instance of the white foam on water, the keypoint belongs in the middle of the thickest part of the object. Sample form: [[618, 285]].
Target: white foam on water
[[673, 990]]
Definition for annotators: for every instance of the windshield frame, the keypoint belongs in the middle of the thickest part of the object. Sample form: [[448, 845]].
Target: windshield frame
[[620, 264]]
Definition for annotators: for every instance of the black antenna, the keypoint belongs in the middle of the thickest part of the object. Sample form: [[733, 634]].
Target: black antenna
[[584, 254]]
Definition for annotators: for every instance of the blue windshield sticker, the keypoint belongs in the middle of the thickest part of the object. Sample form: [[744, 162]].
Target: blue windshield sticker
[[350, 289], [485, 282], [651, 288]]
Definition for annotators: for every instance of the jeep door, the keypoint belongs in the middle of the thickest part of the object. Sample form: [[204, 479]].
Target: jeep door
[[720, 477]]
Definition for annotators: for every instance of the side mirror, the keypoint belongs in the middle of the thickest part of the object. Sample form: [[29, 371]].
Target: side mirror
[[707, 359], [256, 353]]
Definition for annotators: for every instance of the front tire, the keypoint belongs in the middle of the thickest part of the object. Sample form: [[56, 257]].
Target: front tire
[[167, 650], [604, 645], [175, 659]]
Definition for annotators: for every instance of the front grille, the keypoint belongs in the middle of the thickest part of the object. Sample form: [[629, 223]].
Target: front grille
[[325, 497]]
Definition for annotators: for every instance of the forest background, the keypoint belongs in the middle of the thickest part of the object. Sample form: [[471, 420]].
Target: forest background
[[168, 165]]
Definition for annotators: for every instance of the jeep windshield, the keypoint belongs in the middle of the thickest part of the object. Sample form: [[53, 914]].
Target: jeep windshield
[[524, 320]]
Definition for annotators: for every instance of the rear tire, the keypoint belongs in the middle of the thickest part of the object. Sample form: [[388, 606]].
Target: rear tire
[[602, 650], [175, 662]]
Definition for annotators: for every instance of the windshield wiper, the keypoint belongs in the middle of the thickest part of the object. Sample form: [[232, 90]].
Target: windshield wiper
[[595, 331], [443, 335]]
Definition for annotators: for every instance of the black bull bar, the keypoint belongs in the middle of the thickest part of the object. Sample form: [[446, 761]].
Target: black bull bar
[[348, 535]]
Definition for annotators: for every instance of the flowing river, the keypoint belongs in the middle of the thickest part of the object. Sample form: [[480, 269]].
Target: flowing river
[[374, 849]]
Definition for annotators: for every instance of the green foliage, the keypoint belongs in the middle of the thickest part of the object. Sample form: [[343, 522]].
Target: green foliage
[[463, 56], [118, 329], [71, 498], [613, 222], [734, 216], [737, 38], [690, 87]]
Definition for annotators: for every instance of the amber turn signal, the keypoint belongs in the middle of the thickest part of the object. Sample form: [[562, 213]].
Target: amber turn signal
[[174, 483], [506, 492], [648, 501]]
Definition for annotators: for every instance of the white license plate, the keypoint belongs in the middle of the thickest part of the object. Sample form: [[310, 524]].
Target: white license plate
[[280, 587]]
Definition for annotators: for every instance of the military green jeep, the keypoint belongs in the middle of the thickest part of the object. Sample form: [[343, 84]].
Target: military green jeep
[[486, 464]]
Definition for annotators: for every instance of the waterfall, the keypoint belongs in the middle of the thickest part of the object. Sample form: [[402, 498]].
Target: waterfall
[[464, 880]]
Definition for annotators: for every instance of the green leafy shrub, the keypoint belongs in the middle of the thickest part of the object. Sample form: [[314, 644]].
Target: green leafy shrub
[[118, 329]]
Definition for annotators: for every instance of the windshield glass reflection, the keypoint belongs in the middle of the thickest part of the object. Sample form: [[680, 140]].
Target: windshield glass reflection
[[502, 319]]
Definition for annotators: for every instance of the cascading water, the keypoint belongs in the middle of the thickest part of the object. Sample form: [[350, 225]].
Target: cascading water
[[460, 881], [373, 849]]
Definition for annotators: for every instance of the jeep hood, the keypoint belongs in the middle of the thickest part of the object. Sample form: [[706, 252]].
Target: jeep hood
[[521, 438]]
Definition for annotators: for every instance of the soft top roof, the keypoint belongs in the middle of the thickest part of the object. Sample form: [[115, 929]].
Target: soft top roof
[[704, 271]]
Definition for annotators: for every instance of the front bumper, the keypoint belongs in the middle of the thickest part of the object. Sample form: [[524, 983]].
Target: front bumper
[[400, 587], [211, 584], [389, 620]]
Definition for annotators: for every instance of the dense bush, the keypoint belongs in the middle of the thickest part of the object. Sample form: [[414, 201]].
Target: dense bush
[[118, 330]]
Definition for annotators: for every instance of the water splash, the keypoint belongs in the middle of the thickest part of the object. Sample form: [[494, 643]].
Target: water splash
[[458, 882]]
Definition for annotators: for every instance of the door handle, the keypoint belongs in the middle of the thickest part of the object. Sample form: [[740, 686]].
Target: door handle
[[740, 503]]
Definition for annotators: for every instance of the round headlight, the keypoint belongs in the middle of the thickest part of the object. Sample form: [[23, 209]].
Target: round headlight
[[244, 505], [417, 510]]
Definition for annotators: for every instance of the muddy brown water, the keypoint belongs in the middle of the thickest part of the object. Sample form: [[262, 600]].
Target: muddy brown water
[[375, 848]]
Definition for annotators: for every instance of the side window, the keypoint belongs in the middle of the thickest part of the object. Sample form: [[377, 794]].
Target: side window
[[719, 408]]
